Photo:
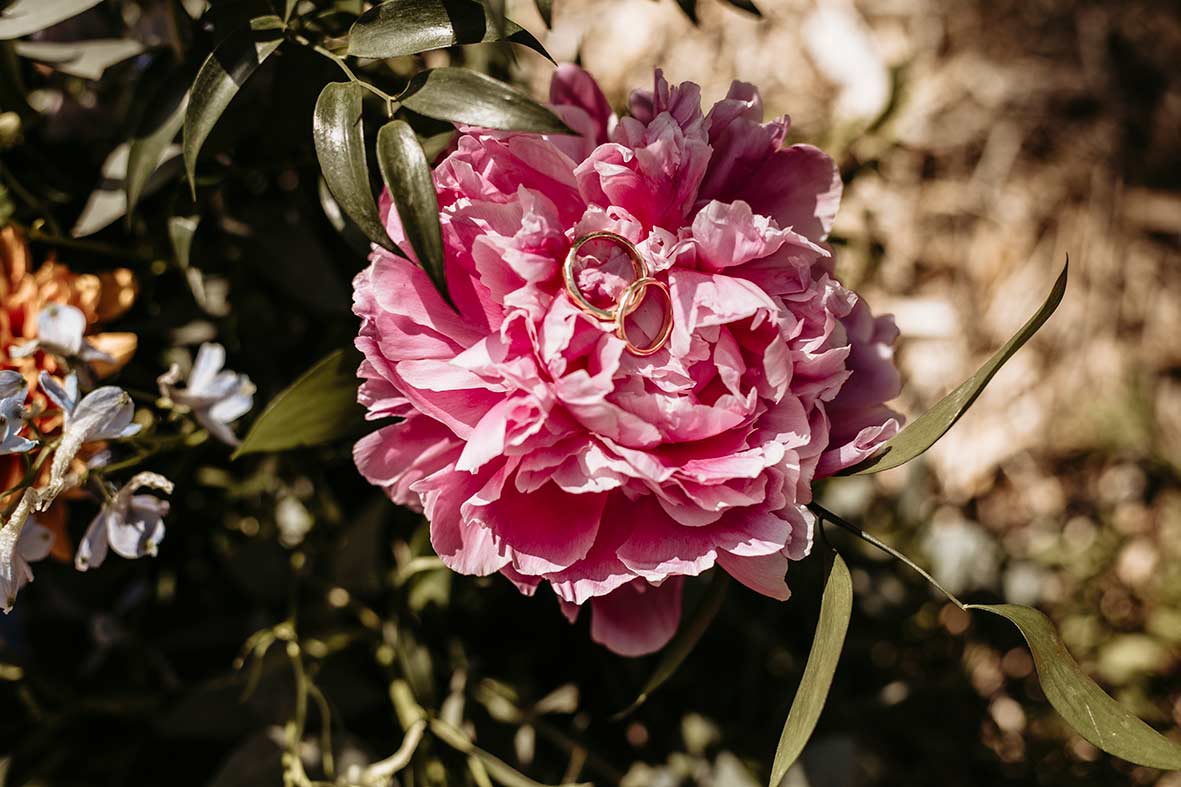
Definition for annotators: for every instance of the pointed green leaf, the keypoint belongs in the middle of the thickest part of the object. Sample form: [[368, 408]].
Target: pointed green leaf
[[687, 637], [546, 9], [463, 96], [162, 118], [320, 407], [835, 608], [222, 75], [340, 146], [29, 16], [407, 27], [1087, 708], [925, 431], [408, 176]]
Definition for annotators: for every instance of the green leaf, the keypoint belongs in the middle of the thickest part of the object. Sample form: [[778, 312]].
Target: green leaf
[[340, 147], [85, 59], [222, 75], [108, 202], [926, 430], [29, 16], [835, 608], [1087, 708], [320, 407], [463, 96], [181, 230], [687, 637], [407, 27], [546, 9], [746, 5], [162, 118], [408, 177]]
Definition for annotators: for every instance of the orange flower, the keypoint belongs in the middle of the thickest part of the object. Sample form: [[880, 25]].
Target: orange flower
[[23, 293]]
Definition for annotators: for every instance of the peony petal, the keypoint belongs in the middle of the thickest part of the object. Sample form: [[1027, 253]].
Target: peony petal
[[548, 530], [637, 618], [763, 574]]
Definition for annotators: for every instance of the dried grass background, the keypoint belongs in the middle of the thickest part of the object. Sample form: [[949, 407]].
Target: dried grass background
[[983, 143]]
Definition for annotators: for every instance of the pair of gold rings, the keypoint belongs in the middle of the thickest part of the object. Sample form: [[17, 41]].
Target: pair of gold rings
[[629, 300]]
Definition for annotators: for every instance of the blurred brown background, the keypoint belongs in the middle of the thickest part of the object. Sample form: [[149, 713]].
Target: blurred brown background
[[982, 143]]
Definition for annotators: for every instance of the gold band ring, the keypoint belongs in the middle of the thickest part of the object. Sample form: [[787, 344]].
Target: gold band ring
[[639, 269], [631, 300]]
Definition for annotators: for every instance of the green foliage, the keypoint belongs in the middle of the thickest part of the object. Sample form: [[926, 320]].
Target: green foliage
[[462, 96], [221, 77], [1087, 708], [320, 407], [836, 606], [340, 148], [925, 431], [407, 175], [161, 119], [408, 27]]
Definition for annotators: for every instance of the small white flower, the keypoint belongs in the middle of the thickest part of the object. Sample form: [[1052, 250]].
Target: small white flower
[[103, 414], [13, 392], [22, 541], [130, 524], [217, 396], [59, 331]]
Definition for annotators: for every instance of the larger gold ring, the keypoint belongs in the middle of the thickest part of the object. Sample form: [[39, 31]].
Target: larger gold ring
[[631, 300], [639, 269]]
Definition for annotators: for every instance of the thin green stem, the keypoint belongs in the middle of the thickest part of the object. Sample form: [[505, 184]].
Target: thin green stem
[[391, 102], [828, 516]]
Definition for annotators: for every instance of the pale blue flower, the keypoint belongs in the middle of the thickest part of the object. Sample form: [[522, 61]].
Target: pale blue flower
[[216, 396], [59, 332], [13, 392], [103, 414], [132, 525]]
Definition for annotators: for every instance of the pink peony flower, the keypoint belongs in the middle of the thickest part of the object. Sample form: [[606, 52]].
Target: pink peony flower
[[536, 445]]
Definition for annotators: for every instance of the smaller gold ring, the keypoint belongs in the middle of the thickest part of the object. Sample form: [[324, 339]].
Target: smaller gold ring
[[631, 300], [639, 269]]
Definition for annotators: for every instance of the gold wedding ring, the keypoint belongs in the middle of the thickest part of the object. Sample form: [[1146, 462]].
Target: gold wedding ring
[[629, 301], [639, 269]]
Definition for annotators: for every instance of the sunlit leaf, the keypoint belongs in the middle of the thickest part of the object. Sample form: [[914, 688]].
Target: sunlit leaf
[[687, 637], [835, 608], [463, 96], [408, 176], [318, 408], [108, 202], [925, 431], [162, 118], [85, 59], [222, 75], [340, 147], [29, 16], [407, 27], [1087, 708], [181, 230]]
